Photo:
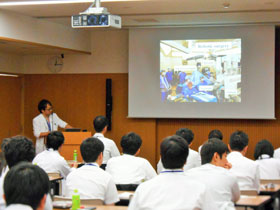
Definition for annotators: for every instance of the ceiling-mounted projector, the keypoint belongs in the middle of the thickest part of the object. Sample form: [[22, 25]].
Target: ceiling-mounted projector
[[96, 17]]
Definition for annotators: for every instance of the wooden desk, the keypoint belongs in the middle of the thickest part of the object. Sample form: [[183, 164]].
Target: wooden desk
[[105, 208], [255, 202], [269, 191], [55, 178]]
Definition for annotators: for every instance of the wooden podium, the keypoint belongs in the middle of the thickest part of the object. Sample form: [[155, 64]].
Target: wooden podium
[[72, 142]]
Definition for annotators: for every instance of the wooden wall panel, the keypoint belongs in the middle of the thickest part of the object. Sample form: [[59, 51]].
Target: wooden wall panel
[[10, 106], [78, 98]]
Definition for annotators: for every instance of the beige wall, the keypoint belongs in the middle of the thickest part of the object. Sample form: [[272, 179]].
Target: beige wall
[[19, 27], [11, 63], [109, 55]]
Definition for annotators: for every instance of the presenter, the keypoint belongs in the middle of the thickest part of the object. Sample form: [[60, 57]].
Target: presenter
[[44, 123]]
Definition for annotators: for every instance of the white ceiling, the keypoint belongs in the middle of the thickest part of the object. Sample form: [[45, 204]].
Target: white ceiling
[[152, 13]]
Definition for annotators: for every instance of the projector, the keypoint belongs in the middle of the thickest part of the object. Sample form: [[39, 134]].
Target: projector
[[96, 17], [96, 20]]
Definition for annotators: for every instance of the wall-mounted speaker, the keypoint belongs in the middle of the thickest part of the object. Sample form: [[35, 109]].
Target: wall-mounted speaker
[[109, 103]]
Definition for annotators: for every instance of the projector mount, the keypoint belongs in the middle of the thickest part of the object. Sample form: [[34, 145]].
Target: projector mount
[[95, 10]]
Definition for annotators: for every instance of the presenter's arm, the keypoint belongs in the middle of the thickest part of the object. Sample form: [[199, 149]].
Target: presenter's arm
[[43, 134], [68, 126], [37, 128]]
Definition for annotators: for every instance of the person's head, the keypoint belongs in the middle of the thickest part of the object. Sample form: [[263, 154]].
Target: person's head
[[18, 149], [131, 143], [174, 151], [263, 147], [54, 140], [214, 151], [215, 134], [186, 134], [239, 142], [45, 107], [100, 123], [92, 150], [26, 184]]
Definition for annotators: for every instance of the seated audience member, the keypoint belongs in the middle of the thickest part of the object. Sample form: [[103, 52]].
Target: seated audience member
[[246, 170], [172, 189], [100, 125], [18, 149], [277, 153], [50, 160], [91, 181], [193, 157], [215, 175], [26, 187], [4, 166], [213, 134], [269, 166], [127, 168]]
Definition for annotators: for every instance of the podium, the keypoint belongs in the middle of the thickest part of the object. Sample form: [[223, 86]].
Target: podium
[[72, 142]]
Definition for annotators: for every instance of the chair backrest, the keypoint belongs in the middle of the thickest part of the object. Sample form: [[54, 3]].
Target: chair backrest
[[270, 181], [248, 192], [83, 201]]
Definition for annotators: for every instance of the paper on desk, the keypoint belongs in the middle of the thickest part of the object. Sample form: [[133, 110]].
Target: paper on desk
[[125, 195]]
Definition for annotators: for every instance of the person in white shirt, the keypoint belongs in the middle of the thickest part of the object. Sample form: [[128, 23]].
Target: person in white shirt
[[26, 187], [193, 157], [18, 149], [215, 175], [46, 122], [269, 166], [128, 169], [90, 180], [277, 153], [50, 160], [100, 125], [213, 134], [246, 170], [172, 189]]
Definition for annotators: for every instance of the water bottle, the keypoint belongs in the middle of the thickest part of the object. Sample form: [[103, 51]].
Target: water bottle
[[75, 156], [75, 200]]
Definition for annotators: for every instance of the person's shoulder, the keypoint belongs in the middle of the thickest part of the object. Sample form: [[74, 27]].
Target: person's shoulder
[[193, 152], [38, 117]]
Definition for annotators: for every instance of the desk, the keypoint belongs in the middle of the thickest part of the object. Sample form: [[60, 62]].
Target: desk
[[105, 208], [55, 184], [255, 202], [273, 192]]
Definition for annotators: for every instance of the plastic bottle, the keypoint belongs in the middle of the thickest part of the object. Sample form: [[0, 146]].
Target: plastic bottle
[[75, 200], [75, 156]]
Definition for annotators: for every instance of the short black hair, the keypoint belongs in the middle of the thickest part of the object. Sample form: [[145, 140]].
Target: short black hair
[[99, 123], [215, 134], [210, 148], [91, 149], [130, 143], [26, 184], [54, 140], [174, 151], [19, 148], [186, 134], [43, 104], [263, 147], [238, 141]]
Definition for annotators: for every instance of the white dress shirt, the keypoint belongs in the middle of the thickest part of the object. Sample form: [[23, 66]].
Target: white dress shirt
[[193, 160], [18, 207], [220, 182], [52, 162], [172, 189], [269, 167], [128, 169], [110, 148], [277, 153], [247, 171], [48, 204], [92, 182], [40, 125]]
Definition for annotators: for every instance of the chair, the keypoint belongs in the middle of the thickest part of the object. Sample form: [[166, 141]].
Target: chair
[[56, 185], [248, 192], [84, 202]]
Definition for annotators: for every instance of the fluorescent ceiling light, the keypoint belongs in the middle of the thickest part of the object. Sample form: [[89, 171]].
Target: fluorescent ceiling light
[[8, 75], [23, 3]]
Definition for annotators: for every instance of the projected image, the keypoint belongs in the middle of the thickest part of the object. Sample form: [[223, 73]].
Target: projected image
[[200, 70]]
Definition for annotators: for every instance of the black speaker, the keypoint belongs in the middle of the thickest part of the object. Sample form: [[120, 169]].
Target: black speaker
[[109, 103]]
